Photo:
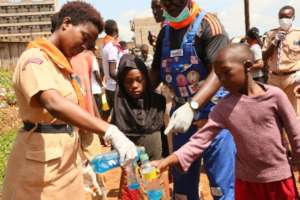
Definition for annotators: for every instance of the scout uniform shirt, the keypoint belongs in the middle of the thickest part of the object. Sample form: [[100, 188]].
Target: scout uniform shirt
[[289, 59], [42, 166], [285, 61]]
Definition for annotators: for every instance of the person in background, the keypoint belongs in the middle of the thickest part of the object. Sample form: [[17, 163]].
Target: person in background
[[91, 143], [183, 57], [157, 11], [256, 115], [281, 52], [111, 54], [253, 39], [124, 47], [145, 56], [97, 84], [44, 162], [82, 65]]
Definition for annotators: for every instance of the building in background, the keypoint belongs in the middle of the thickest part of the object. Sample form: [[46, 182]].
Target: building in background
[[141, 28], [22, 21]]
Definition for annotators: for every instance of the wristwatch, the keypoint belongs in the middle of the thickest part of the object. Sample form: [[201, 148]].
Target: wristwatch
[[194, 105]]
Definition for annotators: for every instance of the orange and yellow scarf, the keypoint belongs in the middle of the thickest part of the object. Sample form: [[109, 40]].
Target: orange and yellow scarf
[[114, 41], [108, 39], [60, 61], [195, 10]]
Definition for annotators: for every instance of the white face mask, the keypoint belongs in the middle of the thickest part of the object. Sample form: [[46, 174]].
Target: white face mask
[[286, 23]]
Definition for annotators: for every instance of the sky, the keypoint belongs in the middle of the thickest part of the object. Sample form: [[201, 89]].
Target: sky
[[263, 13]]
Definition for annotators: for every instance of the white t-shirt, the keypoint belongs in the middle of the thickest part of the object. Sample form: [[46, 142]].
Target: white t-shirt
[[256, 50], [110, 54], [148, 61], [96, 88]]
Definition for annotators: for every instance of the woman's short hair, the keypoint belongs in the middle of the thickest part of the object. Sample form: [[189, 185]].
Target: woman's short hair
[[79, 12]]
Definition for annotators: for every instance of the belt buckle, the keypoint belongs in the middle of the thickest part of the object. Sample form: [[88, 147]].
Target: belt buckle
[[34, 127]]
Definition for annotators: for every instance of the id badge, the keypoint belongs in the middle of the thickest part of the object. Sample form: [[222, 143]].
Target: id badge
[[177, 53]]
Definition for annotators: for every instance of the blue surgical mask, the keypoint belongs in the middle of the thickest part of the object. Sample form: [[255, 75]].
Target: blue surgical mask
[[185, 13]]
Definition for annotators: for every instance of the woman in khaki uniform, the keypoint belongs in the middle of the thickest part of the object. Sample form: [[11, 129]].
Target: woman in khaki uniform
[[44, 163]]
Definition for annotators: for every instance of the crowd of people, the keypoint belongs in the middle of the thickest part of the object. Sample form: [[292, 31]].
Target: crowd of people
[[233, 103]]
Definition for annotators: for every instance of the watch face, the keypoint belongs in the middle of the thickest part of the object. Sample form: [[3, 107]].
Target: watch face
[[194, 105]]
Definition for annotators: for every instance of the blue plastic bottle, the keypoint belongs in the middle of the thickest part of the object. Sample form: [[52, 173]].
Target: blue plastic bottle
[[110, 160], [106, 161]]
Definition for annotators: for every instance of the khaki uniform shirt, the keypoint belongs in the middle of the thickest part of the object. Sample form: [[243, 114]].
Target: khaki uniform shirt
[[290, 52], [42, 166]]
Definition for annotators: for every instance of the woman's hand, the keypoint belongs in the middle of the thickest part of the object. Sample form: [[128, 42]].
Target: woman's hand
[[121, 143]]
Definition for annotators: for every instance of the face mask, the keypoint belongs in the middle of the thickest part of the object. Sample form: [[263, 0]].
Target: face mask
[[185, 13], [286, 23]]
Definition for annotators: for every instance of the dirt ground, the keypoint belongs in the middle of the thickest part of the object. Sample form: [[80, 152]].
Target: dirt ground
[[112, 182]]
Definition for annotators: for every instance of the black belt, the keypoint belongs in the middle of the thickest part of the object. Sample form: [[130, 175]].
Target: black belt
[[48, 128], [283, 73]]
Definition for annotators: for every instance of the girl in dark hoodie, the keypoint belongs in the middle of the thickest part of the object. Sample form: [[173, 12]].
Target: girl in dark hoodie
[[138, 110]]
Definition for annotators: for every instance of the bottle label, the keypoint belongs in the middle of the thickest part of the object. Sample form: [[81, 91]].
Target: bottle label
[[149, 175]]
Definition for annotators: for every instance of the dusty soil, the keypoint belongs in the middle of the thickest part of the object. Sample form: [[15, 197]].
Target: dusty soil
[[112, 184], [112, 181]]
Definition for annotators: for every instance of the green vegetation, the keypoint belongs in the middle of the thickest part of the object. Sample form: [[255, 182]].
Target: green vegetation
[[6, 83], [7, 137], [6, 142], [5, 79]]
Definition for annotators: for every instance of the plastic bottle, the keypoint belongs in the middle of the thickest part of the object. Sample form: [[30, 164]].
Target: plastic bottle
[[132, 177], [110, 160], [151, 180]]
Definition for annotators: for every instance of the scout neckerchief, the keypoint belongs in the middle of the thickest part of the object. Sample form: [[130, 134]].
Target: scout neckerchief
[[195, 10], [61, 62], [114, 41], [108, 39]]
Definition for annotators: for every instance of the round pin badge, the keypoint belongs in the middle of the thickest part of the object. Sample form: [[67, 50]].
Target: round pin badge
[[181, 80], [193, 77], [169, 78]]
